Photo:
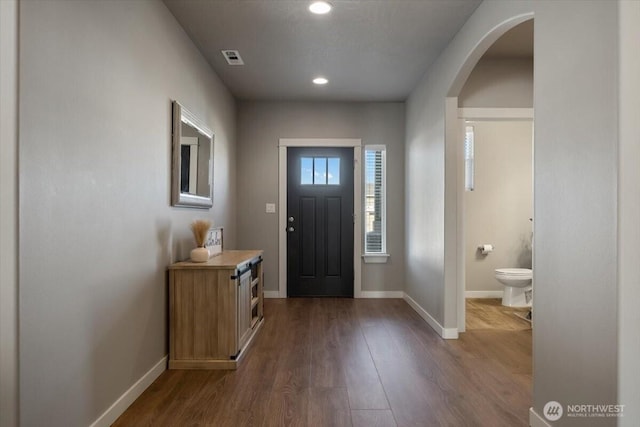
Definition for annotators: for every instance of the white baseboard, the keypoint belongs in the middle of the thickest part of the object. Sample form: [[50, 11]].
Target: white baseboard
[[536, 420], [446, 333], [363, 294], [381, 294], [483, 294], [271, 294], [129, 396]]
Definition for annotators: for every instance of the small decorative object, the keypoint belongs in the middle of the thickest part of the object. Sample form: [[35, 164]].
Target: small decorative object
[[200, 229], [214, 241]]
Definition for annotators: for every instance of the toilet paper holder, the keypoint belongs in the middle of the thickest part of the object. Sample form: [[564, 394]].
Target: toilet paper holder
[[486, 249]]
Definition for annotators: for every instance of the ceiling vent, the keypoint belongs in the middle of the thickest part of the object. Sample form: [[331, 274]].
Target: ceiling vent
[[232, 57]]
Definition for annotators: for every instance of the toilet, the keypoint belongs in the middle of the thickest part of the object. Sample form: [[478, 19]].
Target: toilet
[[517, 286]]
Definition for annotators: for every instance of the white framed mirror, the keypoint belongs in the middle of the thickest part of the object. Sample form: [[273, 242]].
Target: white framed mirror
[[192, 160]]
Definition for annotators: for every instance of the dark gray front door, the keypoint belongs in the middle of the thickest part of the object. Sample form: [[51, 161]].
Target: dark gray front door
[[320, 221]]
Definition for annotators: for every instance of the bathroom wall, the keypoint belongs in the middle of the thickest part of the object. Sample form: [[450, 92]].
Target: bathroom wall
[[262, 124], [499, 82], [96, 227], [497, 211]]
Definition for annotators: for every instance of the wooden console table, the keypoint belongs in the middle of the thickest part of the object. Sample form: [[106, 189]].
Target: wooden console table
[[215, 310]]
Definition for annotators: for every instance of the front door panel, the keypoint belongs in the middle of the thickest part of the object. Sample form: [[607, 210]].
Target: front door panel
[[320, 221]]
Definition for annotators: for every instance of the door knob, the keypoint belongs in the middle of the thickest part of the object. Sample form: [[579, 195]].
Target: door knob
[[291, 229]]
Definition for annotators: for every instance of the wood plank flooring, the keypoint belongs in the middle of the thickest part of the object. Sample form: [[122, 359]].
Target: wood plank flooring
[[489, 313], [347, 362]]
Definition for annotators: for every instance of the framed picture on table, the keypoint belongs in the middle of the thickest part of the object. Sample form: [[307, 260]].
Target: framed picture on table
[[214, 241]]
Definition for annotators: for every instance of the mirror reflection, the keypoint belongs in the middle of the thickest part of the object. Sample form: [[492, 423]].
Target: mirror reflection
[[192, 160], [195, 150]]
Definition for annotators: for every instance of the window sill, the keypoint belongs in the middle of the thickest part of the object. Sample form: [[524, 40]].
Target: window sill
[[375, 258]]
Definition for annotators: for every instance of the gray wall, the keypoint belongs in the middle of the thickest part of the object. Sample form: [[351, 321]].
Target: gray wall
[[499, 83], [262, 124], [575, 337], [96, 228], [497, 211], [575, 182]]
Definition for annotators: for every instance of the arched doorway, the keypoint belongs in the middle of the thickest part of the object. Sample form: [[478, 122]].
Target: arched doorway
[[454, 194]]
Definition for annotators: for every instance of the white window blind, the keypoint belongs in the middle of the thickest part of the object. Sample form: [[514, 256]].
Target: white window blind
[[468, 159], [374, 200]]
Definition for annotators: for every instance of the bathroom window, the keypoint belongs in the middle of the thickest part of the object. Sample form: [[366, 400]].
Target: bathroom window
[[468, 159], [375, 244]]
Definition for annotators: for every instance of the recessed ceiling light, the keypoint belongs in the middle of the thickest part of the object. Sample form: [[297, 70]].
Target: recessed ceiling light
[[320, 81], [320, 7]]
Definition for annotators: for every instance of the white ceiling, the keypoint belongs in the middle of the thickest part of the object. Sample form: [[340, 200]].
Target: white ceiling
[[370, 50]]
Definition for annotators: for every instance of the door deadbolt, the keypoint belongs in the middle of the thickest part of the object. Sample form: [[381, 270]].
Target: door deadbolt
[[291, 219]]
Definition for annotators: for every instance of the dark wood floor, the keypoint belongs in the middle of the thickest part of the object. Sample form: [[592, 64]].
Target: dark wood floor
[[347, 362]]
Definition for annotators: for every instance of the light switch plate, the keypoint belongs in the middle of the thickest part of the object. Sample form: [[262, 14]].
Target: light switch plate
[[271, 208]]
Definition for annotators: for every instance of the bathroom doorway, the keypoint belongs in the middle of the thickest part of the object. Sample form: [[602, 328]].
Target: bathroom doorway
[[497, 215], [494, 91]]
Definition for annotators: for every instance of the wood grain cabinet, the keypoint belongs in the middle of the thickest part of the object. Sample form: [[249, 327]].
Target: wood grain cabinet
[[215, 309]]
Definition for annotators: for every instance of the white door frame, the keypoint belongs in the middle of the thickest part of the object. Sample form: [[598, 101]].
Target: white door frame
[[282, 205]]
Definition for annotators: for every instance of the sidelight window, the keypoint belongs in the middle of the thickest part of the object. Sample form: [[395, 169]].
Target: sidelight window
[[375, 200]]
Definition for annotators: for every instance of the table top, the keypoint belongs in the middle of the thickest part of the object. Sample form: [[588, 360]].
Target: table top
[[224, 260]]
